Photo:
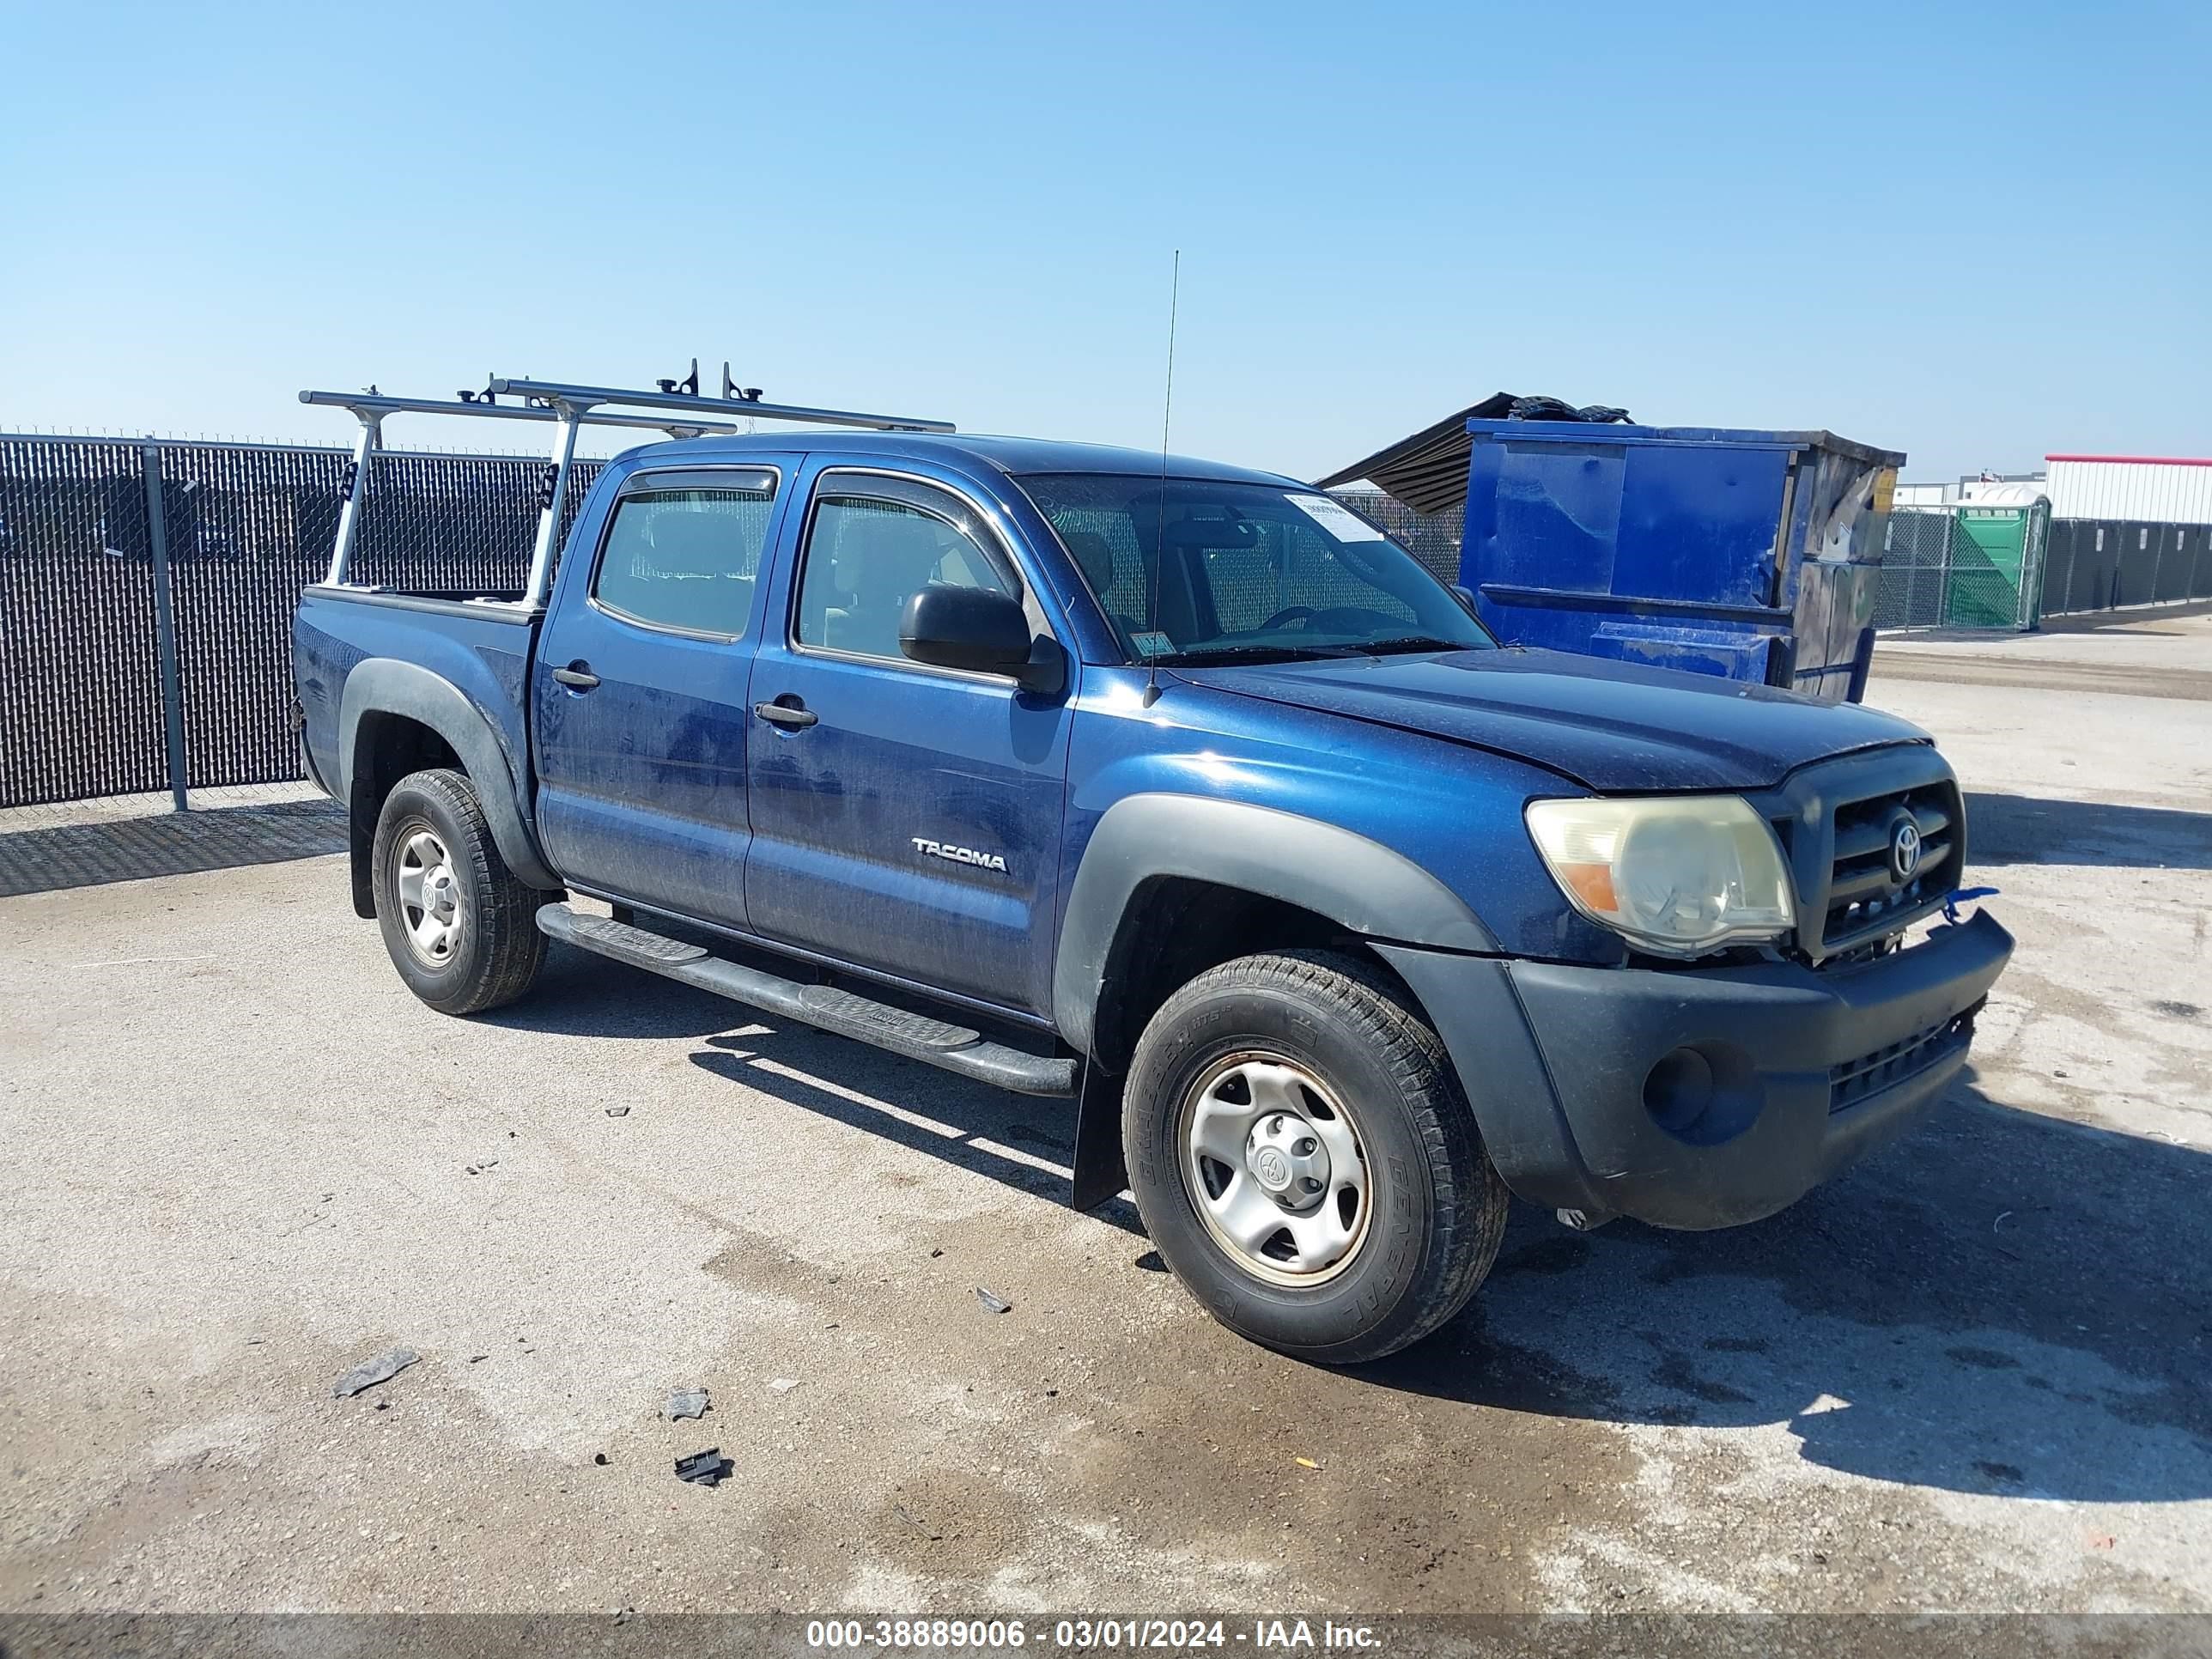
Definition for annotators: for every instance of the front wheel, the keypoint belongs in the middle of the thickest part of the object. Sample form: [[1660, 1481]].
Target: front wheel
[[1304, 1159], [461, 929]]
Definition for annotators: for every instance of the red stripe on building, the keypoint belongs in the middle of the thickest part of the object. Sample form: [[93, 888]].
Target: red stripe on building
[[2138, 460]]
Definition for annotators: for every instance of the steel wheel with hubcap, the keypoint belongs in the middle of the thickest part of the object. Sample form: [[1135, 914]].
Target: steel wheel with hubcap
[[430, 896], [1275, 1167], [1304, 1159]]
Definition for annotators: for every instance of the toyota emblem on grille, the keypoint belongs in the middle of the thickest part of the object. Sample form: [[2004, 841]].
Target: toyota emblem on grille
[[1904, 849]]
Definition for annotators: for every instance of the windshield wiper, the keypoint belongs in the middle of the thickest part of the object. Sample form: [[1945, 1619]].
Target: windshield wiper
[[1409, 642], [1208, 654]]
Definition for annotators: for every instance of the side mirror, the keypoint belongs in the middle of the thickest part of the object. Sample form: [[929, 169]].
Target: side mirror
[[1466, 595], [970, 628]]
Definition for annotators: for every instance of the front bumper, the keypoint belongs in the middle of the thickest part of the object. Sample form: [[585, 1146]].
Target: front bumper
[[1805, 1072]]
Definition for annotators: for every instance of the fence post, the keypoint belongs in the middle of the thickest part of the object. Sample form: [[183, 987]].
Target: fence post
[[165, 627]]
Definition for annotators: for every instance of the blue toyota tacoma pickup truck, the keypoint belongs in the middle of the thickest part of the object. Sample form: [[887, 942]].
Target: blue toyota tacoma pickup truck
[[1179, 790]]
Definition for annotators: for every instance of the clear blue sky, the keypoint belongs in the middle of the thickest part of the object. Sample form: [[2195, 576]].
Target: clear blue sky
[[1976, 231]]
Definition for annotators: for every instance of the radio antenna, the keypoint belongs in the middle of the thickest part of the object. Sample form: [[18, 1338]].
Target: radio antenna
[[1160, 521]]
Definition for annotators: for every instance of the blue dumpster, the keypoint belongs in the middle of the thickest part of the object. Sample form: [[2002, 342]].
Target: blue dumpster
[[1750, 555]]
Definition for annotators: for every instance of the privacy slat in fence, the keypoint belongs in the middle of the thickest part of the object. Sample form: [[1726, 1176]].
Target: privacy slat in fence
[[81, 710], [1432, 537], [455, 522], [247, 530], [247, 527]]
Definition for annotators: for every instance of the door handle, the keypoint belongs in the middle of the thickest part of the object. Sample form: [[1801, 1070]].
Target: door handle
[[786, 712], [577, 676]]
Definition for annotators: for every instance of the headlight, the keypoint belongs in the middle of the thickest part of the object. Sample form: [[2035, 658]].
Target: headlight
[[1677, 876]]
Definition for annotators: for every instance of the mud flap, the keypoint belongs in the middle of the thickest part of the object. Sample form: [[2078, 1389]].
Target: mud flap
[[1100, 1174]]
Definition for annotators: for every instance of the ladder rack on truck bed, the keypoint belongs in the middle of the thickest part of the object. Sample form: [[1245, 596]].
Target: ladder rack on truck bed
[[569, 408]]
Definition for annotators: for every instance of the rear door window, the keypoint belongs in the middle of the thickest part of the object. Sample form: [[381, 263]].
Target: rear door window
[[682, 551]]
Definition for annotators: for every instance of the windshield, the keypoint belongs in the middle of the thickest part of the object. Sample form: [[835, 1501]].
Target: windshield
[[1246, 571]]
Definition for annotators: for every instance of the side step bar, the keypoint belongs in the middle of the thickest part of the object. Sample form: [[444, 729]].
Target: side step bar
[[955, 1048]]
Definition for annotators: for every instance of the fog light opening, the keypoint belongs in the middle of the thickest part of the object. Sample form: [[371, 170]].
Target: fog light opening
[[1703, 1094]]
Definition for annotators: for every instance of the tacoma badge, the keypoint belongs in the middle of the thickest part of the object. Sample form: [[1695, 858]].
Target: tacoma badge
[[937, 849]]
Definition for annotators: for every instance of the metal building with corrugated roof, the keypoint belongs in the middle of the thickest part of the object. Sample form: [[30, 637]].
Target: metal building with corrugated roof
[[2142, 488]]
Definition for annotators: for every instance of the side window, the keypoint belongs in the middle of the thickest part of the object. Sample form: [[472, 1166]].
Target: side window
[[687, 555], [872, 545]]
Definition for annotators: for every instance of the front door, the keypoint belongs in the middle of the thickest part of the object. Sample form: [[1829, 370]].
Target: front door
[[905, 817], [640, 723]]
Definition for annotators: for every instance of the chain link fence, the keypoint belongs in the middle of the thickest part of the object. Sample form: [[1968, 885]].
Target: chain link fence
[[1432, 537], [1936, 574], [108, 545], [83, 711]]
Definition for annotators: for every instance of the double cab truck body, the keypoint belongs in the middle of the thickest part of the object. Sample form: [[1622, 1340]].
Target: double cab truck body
[[1177, 789]]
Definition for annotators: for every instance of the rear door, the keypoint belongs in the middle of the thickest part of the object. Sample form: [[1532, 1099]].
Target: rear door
[[905, 817], [638, 699]]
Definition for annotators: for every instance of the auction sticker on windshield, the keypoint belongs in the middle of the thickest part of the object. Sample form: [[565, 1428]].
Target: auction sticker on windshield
[[1344, 525]]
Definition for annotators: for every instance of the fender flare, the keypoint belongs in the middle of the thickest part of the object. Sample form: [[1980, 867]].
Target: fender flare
[[385, 685], [1358, 884]]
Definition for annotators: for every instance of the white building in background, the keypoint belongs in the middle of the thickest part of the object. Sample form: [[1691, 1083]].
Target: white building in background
[[2142, 488], [1985, 490], [2147, 489]]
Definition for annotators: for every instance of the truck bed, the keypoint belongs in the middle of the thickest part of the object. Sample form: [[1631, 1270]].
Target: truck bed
[[481, 643]]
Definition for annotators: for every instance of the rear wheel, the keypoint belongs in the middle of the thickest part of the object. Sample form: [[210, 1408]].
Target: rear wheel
[[458, 927], [1304, 1159]]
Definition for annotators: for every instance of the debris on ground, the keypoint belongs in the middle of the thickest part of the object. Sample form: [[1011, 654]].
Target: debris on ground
[[617, 1111], [992, 1302], [600, 1458], [685, 1402], [704, 1468], [1305, 1463], [915, 1521], [784, 1384], [370, 1372]]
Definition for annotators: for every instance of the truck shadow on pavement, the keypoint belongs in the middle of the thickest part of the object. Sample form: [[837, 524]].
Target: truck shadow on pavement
[[580, 994], [2001, 1303], [2028, 830], [987, 1131], [984, 1131]]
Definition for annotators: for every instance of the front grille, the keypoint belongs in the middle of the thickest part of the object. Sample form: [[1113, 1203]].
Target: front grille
[[1869, 1074], [1865, 900]]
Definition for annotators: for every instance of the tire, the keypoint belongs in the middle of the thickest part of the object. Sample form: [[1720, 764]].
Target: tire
[[1346, 1049], [492, 949]]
